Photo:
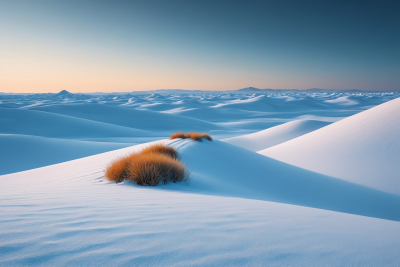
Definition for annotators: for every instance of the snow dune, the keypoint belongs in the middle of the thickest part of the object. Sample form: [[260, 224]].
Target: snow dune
[[130, 117], [224, 169], [240, 207], [343, 100], [273, 103], [275, 135], [67, 214], [24, 152], [363, 149], [39, 123]]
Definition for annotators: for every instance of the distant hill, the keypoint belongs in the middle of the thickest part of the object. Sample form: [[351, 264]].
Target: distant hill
[[64, 92], [254, 89], [183, 91], [251, 89]]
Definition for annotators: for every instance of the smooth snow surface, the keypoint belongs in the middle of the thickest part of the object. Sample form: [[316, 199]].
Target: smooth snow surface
[[275, 135], [221, 168], [38, 123], [364, 148], [344, 100], [140, 119], [26, 152], [240, 208], [67, 214]]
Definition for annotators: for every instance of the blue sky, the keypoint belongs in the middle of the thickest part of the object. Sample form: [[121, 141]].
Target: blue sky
[[84, 46]]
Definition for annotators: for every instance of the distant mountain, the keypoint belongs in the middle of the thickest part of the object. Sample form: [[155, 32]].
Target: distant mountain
[[254, 89], [64, 92], [250, 89]]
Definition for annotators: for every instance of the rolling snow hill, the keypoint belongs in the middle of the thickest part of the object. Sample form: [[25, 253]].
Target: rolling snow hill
[[225, 169], [67, 214], [24, 152], [240, 208], [275, 135], [130, 117], [39, 123], [363, 148]]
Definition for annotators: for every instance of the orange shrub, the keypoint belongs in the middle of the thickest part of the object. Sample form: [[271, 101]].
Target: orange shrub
[[207, 136], [199, 136], [195, 136], [178, 135], [117, 170], [153, 169], [161, 149], [153, 165]]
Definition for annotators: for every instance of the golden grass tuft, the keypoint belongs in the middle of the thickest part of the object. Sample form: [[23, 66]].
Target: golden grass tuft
[[178, 135], [117, 170], [161, 149], [153, 169], [153, 165], [195, 136]]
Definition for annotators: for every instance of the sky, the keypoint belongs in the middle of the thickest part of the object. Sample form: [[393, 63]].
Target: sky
[[121, 46]]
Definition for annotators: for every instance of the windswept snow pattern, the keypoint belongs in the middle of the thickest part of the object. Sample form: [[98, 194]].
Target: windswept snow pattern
[[240, 208]]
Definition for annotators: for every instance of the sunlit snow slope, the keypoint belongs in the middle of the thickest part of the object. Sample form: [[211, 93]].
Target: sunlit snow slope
[[275, 135], [130, 117], [225, 169], [239, 209], [67, 214], [364, 148], [39, 123], [24, 152]]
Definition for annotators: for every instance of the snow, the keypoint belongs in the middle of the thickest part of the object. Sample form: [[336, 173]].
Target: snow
[[39, 123], [224, 169], [139, 119], [343, 100], [275, 135], [26, 152], [363, 149], [67, 214], [240, 208]]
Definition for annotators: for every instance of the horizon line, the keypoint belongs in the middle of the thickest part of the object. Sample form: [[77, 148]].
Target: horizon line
[[199, 90]]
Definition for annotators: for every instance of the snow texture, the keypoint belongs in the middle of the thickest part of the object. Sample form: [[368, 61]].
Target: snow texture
[[328, 197], [363, 149], [275, 135]]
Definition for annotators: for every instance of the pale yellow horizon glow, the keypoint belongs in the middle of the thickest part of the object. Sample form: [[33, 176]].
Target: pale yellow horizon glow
[[41, 75], [40, 71]]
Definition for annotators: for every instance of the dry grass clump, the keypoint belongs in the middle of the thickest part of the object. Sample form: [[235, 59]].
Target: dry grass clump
[[178, 135], [153, 169], [199, 136], [195, 136], [153, 165], [161, 149], [117, 170]]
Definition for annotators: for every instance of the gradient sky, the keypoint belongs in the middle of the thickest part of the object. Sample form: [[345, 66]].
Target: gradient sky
[[91, 46]]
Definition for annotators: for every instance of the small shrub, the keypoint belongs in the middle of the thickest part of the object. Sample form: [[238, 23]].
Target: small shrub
[[178, 135], [195, 136], [207, 136], [117, 170], [199, 136], [153, 165], [153, 169], [161, 149]]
